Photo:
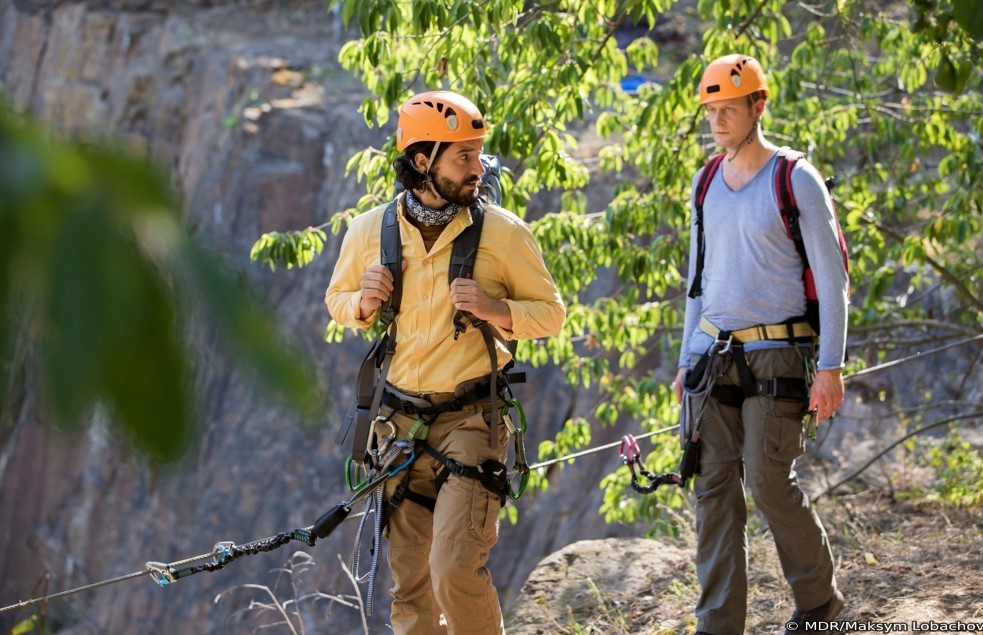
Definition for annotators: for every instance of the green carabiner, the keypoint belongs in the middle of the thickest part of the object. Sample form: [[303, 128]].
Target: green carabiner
[[520, 466], [348, 476], [516, 494]]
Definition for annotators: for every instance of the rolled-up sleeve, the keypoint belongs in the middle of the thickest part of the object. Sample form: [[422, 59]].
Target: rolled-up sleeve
[[344, 290]]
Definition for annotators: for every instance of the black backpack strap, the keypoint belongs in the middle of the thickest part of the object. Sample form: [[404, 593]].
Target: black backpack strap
[[463, 257], [375, 367], [702, 185], [391, 255], [465, 249]]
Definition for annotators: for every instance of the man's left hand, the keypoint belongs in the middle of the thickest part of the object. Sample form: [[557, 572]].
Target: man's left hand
[[466, 295], [827, 393]]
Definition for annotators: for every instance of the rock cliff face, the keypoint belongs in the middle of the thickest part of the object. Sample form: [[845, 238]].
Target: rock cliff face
[[254, 118]]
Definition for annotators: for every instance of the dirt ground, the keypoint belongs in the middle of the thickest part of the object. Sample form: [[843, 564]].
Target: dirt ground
[[898, 562]]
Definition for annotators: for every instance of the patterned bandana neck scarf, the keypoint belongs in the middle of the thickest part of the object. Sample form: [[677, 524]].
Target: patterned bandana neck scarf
[[420, 212]]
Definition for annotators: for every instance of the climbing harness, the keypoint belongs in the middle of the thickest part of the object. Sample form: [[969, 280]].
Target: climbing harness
[[371, 382], [493, 475], [796, 333]]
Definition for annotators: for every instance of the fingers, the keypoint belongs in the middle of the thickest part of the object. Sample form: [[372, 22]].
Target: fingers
[[466, 295], [826, 394], [677, 385], [376, 286], [377, 283]]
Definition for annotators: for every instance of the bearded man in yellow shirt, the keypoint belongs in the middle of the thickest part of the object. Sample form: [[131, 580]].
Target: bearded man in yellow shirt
[[439, 541]]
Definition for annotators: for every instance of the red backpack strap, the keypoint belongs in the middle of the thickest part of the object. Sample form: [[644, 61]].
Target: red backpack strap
[[702, 185], [786, 199]]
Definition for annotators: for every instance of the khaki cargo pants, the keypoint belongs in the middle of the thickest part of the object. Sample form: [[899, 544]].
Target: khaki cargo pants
[[755, 445], [438, 558]]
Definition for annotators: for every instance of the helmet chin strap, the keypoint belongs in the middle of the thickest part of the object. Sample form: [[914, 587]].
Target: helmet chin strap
[[747, 140], [430, 185]]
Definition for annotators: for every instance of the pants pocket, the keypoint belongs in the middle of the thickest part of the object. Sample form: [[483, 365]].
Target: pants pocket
[[784, 441], [483, 520]]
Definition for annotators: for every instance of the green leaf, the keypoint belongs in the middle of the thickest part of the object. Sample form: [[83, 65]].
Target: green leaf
[[969, 15], [112, 337], [251, 332], [26, 626]]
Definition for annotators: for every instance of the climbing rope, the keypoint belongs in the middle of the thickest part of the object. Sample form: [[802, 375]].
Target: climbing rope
[[225, 552]]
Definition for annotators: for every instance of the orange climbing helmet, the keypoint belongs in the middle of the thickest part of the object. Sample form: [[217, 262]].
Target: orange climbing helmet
[[732, 76], [438, 116]]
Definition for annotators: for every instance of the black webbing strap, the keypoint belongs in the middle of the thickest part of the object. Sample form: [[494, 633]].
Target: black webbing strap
[[380, 356], [391, 256], [403, 492], [785, 388], [466, 395], [370, 386], [744, 375], [493, 475], [702, 185]]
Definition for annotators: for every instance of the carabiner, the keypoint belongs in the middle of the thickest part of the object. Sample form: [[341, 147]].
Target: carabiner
[[384, 446], [727, 345], [351, 483], [630, 452]]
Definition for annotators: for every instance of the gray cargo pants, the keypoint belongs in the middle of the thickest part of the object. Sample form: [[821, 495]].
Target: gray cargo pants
[[755, 444]]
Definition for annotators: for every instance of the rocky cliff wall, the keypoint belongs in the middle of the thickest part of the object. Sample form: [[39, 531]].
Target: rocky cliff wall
[[255, 120]]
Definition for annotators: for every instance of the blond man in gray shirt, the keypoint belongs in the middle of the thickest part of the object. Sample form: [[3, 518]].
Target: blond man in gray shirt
[[746, 301]]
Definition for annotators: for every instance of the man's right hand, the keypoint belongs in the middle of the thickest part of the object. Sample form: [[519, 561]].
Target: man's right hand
[[677, 385], [376, 286]]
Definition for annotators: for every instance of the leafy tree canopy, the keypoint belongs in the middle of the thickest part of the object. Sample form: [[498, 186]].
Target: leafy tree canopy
[[884, 96]]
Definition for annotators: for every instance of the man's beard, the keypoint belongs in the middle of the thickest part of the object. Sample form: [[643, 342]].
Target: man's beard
[[454, 193]]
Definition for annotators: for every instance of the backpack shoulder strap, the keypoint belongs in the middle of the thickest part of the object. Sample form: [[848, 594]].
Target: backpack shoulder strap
[[391, 255], [463, 256], [465, 249], [702, 185], [786, 199]]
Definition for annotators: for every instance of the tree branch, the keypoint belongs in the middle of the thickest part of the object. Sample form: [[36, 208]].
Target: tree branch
[[852, 475]]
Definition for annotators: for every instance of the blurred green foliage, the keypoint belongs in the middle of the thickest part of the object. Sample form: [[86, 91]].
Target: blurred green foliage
[[99, 284]]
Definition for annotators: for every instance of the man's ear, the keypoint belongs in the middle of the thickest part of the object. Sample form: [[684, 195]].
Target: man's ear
[[420, 162], [759, 107]]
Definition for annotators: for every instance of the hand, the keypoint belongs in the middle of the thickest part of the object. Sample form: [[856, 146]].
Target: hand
[[826, 394], [376, 286], [677, 385], [466, 295]]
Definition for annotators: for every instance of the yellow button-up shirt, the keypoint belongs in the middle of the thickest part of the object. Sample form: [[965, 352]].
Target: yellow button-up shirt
[[509, 266]]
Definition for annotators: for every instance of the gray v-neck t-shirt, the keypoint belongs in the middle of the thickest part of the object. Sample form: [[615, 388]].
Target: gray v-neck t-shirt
[[752, 273]]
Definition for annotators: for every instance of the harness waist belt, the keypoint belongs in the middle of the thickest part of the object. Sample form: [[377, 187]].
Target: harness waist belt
[[428, 404], [792, 331]]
